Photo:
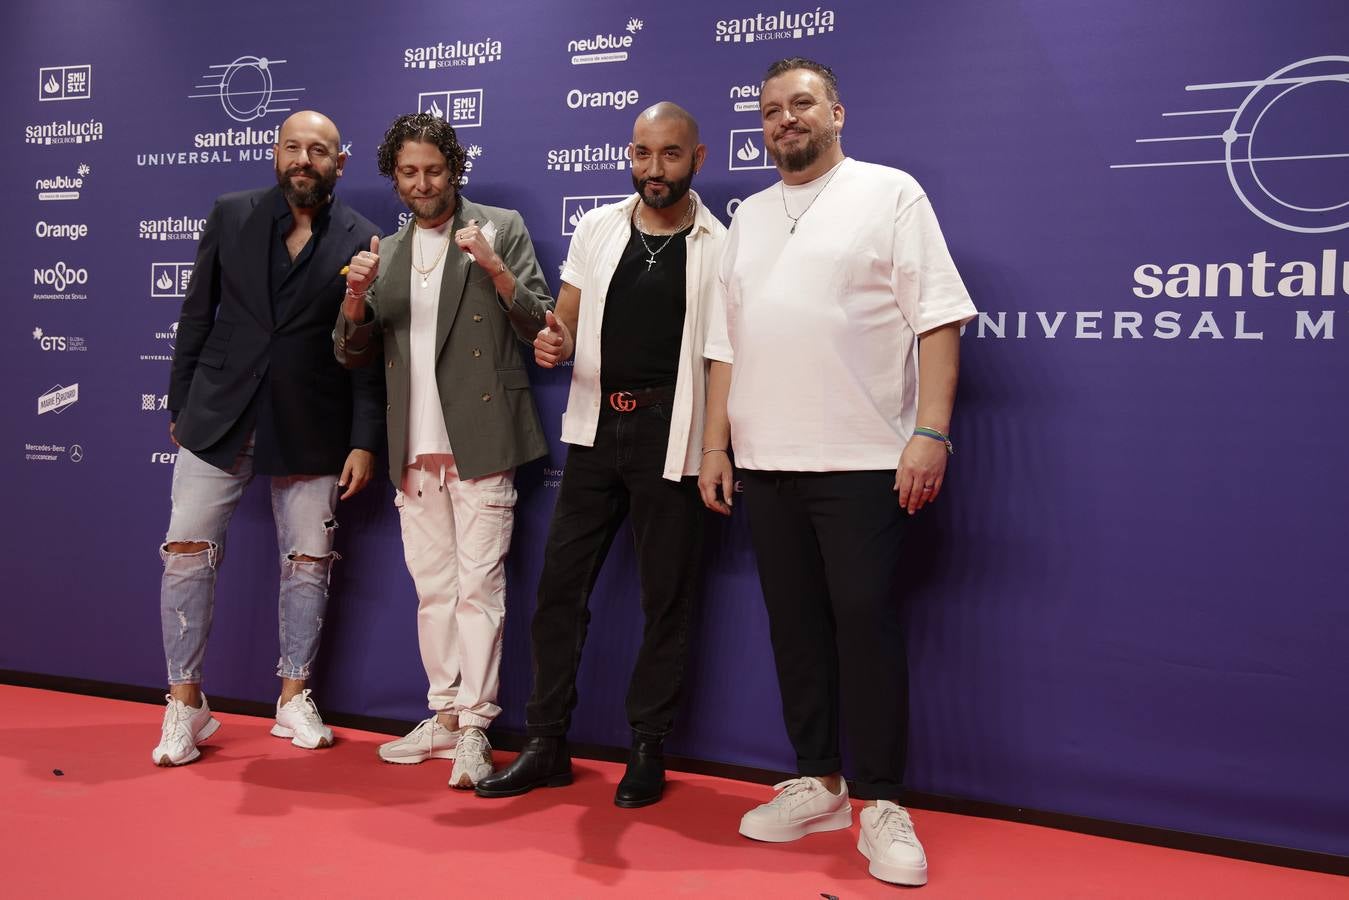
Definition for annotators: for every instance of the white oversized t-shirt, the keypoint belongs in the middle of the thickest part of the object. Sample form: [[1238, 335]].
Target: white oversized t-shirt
[[821, 325], [427, 434]]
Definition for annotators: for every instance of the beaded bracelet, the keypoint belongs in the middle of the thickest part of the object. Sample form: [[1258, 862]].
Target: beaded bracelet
[[936, 436]]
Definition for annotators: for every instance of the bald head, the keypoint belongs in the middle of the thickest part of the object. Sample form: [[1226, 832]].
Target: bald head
[[669, 113], [309, 159], [314, 124]]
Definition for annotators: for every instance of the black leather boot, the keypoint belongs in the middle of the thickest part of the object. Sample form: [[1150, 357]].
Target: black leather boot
[[544, 762], [644, 781]]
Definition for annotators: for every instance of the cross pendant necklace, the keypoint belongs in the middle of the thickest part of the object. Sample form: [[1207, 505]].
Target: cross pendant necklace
[[796, 220], [651, 262], [651, 254]]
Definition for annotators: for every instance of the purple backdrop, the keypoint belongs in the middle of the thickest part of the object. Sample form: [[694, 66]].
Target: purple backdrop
[[1130, 603]]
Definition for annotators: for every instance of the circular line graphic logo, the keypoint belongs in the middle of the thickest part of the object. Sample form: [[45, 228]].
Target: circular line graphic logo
[[254, 71], [1318, 73]]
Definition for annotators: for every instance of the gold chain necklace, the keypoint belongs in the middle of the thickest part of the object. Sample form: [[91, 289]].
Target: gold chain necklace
[[417, 245]]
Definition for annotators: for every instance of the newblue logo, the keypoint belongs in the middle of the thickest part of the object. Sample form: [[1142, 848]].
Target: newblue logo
[[457, 53], [1281, 141], [65, 83], [747, 151], [589, 158], [573, 208], [778, 26], [168, 281], [62, 187], [604, 48], [745, 98], [462, 109]]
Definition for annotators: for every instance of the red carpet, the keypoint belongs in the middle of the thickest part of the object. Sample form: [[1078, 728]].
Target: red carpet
[[258, 817]]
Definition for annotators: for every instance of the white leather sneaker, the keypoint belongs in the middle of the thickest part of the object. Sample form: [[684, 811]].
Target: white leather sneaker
[[429, 740], [472, 759], [183, 729], [888, 841], [803, 806], [299, 720]]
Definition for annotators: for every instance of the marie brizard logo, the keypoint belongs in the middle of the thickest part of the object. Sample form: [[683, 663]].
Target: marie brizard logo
[[1282, 146], [246, 88]]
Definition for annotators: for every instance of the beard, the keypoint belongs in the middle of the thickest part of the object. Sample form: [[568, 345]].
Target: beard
[[674, 190], [804, 156], [428, 209], [319, 192]]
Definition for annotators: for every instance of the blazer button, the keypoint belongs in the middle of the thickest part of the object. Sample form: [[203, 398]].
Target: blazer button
[[477, 318], [390, 364], [476, 353], [388, 407], [486, 397]]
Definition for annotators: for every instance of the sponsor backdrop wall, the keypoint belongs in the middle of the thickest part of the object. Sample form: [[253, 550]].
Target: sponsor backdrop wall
[[1130, 603]]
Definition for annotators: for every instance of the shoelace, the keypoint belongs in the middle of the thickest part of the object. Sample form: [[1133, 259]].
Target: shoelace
[[307, 709], [175, 719], [474, 741], [895, 823], [792, 787]]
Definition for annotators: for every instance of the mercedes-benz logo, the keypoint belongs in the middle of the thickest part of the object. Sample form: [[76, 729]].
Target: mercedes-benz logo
[[76, 453]]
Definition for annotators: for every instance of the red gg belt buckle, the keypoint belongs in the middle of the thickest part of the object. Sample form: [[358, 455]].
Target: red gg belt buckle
[[622, 401]]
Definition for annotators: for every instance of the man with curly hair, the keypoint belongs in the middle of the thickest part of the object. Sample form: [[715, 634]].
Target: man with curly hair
[[443, 302]]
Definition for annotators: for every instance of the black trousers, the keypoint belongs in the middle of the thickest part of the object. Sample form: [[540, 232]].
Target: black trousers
[[827, 545], [601, 485]]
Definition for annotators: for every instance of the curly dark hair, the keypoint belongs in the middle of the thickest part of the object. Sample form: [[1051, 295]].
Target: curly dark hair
[[810, 65], [421, 127]]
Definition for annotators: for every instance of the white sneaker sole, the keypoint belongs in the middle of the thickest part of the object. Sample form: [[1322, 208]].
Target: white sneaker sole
[[281, 731], [780, 834], [164, 761], [913, 876], [465, 782], [414, 759]]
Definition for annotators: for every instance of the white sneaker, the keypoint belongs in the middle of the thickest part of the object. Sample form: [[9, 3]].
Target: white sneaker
[[183, 729], [429, 740], [472, 759], [803, 807], [887, 839], [299, 720]]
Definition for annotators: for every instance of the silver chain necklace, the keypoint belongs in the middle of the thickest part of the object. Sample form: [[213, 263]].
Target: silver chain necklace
[[651, 254], [795, 219]]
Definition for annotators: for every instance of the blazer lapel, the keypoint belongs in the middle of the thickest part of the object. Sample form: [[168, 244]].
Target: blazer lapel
[[394, 295], [453, 279], [256, 239]]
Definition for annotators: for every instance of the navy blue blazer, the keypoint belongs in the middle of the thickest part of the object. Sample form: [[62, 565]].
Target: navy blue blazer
[[233, 353]]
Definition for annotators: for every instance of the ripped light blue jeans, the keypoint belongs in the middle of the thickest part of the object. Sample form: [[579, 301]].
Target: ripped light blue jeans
[[204, 498]]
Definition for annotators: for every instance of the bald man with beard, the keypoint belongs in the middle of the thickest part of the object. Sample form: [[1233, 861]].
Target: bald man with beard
[[633, 311], [255, 390]]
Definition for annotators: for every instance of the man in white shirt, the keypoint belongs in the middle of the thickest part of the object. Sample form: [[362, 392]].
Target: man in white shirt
[[833, 373], [447, 303], [636, 287]]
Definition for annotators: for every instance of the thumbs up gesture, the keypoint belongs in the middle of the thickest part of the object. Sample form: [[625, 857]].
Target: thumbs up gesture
[[551, 344], [361, 274]]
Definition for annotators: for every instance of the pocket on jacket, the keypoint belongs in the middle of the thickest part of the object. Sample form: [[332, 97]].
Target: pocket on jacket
[[513, 379]]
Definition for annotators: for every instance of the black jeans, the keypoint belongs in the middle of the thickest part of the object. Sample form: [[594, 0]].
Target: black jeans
[[601, 485], [827, 545]]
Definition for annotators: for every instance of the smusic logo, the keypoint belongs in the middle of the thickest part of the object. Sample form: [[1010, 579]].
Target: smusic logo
[[462, 109], [65, 83], [574, 208], [169, 281], [747, 151]]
